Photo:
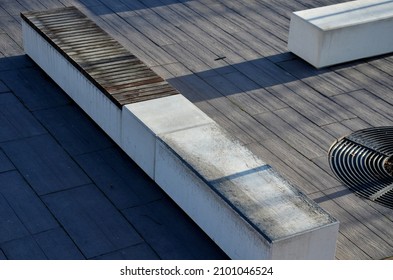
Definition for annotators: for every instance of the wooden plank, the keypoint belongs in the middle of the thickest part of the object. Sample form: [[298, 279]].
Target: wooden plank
[[327, 85], [147, 29], [189, 60], [214, 14], [301, 105], [12, 7], [50, 4], [371, 234], [357, 232], [356, 124], [9, 47], [337, 129], [337, 111], [378, 104], [271, 22], [254, 90], [306, 127], [364, 111], [12, 27], [225, 122], [283, 168], [296, 139], [233, 93], [302, 165], [122, 32], [366, 82]]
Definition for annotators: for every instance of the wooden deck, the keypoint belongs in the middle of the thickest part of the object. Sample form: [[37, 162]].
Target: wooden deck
[[230, 59]]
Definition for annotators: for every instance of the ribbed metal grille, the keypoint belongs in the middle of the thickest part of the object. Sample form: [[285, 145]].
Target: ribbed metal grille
[[364, 162], [106, 63]]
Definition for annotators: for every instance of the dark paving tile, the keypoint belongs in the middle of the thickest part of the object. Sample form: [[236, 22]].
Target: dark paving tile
[[44, 164], [3, 87], [122, 181], [2, 256], [15, 120], [75, 132], [171, 233], [25, 248], [34, 88], [14, 62], [5, 163], [92, 222], [138, 252], [10, 226], [30, 210], [57, 245]]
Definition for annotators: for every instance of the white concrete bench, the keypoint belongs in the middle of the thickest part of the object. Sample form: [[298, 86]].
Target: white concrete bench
[[343, 32], [238, 200]]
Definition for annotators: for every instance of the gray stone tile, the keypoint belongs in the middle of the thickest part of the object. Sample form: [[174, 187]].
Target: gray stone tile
[[3, 87], [171, 233], [44, 164], [15, 120], [10, 226], [122, 181], [5, 163], [138, 252], [73, 129], [92, 222], [25, 248], [2, 256], [57, 245], [30, 210], [14, 62], [34, 88]]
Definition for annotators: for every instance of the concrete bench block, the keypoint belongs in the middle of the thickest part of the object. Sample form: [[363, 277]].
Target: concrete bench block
[[96, 104], [343, 32], [143, 121], [238, 200]]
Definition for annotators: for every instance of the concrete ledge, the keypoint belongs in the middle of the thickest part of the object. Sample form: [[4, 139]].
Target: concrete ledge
[[143, 121], [244, 205], [238, 200], [343, 32]]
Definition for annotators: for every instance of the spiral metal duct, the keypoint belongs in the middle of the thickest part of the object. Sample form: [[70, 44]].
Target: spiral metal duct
[[364, 162]]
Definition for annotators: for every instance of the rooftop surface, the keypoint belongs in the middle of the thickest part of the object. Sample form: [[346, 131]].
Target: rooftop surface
[[67, 191]]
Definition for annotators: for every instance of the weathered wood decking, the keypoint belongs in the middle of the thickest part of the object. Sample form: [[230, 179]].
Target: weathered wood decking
[[230, 59]]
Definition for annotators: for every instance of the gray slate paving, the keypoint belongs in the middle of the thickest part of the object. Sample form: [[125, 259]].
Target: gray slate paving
[[44, 164], [124, 183], [57, 245], [73, 129], [175, 232], [25, 248], [138, 252], [15, 121], [94, 224], [25, 203]]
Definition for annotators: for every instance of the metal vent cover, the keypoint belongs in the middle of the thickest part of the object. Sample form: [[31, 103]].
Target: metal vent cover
[[364, 162]]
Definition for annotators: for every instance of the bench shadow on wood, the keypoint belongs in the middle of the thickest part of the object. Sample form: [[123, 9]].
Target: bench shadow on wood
[[131, 5]]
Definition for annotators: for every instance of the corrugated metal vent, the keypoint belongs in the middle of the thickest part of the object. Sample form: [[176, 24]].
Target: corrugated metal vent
[[364, 162]]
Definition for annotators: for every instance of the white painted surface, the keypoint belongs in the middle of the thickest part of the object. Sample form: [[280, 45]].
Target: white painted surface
[[102, 110], [343, 32], [278, 221], [143, 121]]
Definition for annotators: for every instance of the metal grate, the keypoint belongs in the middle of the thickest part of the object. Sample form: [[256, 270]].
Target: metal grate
[[106, 63], [364, 162]]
